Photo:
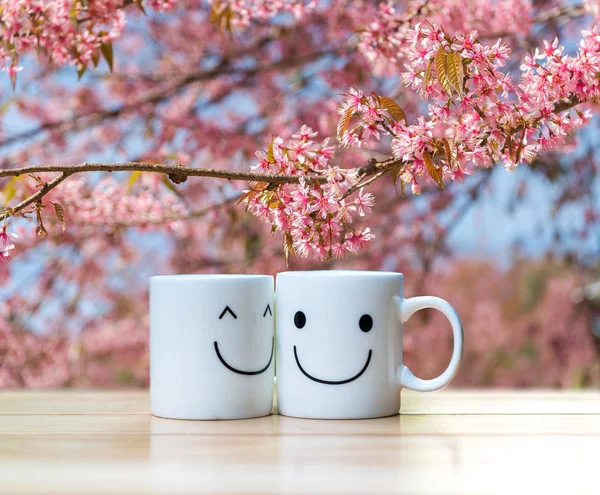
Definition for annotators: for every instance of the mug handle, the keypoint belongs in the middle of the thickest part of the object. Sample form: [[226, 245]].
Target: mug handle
[[405, 308]]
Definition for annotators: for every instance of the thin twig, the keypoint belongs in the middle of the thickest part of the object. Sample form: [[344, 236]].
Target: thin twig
[[34, 197], [355, 188]]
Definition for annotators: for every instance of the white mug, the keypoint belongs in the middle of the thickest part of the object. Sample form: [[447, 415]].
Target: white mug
[[211, 346], [339, 343]]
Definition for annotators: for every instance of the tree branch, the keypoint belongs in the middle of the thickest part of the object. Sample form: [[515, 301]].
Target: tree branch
[[156, 96], [178, 170], [557, 13], [34, 197]]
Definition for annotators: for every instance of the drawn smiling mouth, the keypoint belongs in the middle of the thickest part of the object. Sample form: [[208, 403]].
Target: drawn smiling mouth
[[241, 372], [333, 382]]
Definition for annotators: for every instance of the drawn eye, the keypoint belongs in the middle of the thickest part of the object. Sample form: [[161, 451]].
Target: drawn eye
[[227, 310], [365, 323], [299, 319], [267, 310]]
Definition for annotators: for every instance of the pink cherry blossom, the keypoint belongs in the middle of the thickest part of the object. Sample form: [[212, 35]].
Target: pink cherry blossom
[[347, 99]]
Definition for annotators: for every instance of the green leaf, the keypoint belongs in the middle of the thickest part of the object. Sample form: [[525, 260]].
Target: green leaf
[[73, 13], [433, 170], [10, 189], [270, 152], [135, 175], [96, 58], [5, 106], [81, 71], [123, 376], [393, 108], [107, 52], [169, 185]]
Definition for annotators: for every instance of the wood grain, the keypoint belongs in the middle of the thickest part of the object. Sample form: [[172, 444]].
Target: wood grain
[[447, 401], [451, 442], [147, 425]]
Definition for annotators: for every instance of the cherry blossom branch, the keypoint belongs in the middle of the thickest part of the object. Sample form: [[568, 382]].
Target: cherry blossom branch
[[373, 178], [187, 215], [558, 12], [179, 173], [174, 171], [156, 96], [45, 189]]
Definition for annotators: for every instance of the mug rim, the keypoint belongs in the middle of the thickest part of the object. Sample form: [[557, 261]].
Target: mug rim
[[341, 273], [211, 276]]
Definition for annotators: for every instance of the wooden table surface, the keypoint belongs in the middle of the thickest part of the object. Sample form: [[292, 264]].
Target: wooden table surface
[[452, 441]]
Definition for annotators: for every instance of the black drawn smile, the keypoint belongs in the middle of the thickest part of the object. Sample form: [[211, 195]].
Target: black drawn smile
[[240, 371], [329, 382]]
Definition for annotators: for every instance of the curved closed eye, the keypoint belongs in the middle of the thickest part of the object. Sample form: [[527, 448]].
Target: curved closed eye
[[227, 310], [267, 310]]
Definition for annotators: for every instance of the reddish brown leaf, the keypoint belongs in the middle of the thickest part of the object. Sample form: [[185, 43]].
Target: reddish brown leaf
[[433, 170], [60, 214], [344, 121], [393, 108]]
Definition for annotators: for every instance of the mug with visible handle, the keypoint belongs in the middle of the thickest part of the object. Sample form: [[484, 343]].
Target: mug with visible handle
[[339, 343]]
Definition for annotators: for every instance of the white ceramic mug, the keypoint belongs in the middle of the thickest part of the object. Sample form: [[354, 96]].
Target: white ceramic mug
[[339, 343], [211, 346]]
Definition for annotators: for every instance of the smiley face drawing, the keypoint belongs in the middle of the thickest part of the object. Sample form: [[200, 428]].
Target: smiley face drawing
[[365, 323], [337, 339], [228, 312], [212, 350]]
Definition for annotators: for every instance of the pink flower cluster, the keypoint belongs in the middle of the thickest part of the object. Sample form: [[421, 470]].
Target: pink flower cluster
[[31, 361], [593, 7], [483, 116], [66, 31], [247, 11], [105, 354], [315, 218], [478, 115], [110, 203], [6, 245], [384, 40], [370, 110], [549, 76]]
